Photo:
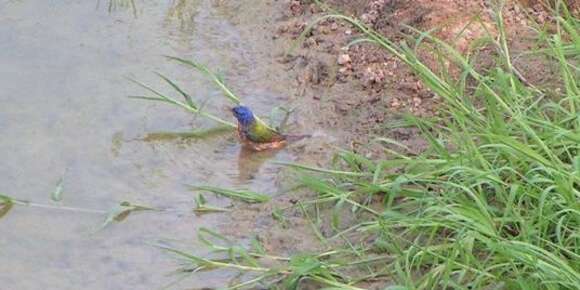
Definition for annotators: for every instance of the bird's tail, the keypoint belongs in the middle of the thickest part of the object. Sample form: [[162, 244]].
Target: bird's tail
[[295, 138]]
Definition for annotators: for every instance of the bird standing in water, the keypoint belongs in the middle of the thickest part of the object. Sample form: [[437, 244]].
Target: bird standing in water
[[254, 133]]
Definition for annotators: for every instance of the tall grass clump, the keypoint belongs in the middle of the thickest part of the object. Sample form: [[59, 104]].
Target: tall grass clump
[[494, 203]]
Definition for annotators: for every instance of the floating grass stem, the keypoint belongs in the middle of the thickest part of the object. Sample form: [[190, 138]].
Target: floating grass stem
[[121, 211], [208, 73], [242, 195], [201, 206]]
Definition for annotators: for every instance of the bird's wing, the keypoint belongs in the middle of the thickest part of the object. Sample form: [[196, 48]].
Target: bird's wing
[[262, 133]]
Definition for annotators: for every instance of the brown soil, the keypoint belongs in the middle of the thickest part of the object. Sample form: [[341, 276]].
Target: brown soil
[[363, 89]]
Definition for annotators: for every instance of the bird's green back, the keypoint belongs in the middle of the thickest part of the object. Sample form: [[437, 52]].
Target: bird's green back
[[262, 133]]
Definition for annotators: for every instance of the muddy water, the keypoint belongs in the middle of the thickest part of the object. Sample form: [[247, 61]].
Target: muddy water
[[64, 112]]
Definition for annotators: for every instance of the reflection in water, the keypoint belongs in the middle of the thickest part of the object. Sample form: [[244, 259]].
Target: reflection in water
[[116, 143], [250, 162], [180, 22], [114, 5], [183, 12]]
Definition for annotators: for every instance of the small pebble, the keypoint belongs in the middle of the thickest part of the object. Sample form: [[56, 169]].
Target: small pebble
[[395, 103], [344, 59], [417, 101]]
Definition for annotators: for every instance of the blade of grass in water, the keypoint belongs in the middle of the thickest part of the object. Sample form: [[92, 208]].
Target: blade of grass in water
[[185, 95], [208, 73], [202, 207], [121, 211], [242, 195]]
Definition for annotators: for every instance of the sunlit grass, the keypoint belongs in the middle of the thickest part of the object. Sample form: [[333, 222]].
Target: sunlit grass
[[122, 211], [500, 208]]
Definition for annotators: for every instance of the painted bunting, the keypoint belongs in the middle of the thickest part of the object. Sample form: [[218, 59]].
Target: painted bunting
[[254, 133]]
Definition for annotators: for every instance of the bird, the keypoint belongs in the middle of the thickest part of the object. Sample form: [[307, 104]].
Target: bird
[[255, 133]]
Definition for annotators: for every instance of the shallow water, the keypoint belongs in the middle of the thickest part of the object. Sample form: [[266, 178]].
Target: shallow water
[[64, 112]]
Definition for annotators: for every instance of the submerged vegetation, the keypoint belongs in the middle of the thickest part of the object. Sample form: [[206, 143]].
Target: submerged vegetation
[[492, 204]]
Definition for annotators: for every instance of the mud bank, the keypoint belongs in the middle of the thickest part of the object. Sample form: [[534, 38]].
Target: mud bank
[[361, 91]]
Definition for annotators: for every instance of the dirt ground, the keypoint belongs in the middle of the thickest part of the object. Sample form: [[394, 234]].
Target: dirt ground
[[362, 89]]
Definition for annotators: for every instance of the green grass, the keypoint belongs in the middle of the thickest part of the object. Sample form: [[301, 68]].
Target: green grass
[[502, 207], [494, 203], [6, 204]]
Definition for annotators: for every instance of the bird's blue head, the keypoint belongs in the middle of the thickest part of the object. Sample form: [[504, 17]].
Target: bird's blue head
[[244, 115]]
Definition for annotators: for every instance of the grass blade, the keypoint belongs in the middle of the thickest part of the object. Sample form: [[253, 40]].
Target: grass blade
[[121, 211], [214, 77], [322, 170], [242, 195], [6, 205], [186, 96]]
